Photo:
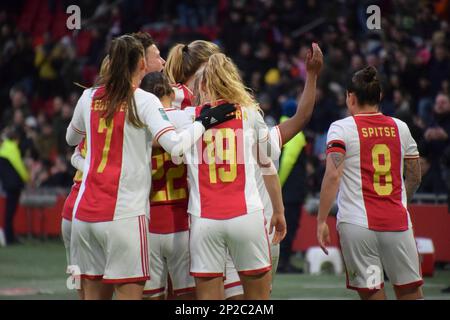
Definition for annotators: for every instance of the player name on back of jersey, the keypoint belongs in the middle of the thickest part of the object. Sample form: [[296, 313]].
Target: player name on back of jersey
[[100, 105], [387, 132]]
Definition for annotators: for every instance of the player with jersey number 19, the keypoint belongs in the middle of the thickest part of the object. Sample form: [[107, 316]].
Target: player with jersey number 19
[[110, 222], [368, 154], [225, 207]]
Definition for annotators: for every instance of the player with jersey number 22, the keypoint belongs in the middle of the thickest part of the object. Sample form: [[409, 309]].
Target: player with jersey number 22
[[368, 154]]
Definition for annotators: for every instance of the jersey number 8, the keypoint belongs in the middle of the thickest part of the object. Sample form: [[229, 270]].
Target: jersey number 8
[[382, 170]]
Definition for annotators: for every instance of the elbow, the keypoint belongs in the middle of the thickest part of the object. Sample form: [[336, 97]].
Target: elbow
[[333, 177]]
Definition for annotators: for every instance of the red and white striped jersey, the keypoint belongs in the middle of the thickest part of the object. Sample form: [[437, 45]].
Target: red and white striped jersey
[[183, 96], [222, 165], [169, 194], [372, 192], [116, 181]]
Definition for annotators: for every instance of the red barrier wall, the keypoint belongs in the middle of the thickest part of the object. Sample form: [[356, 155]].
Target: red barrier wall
[[429, 221]]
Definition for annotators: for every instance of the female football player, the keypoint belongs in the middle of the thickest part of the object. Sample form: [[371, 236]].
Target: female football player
[[226, 213], [109, 236]]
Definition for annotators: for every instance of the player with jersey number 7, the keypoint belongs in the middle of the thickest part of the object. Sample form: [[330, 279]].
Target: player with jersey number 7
[[110, 223], [368, 154]]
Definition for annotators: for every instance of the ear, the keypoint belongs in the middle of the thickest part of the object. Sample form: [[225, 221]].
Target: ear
[[143, 64], [352, 99]]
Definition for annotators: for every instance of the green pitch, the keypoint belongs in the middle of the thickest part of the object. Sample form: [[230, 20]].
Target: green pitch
[[36, 269]]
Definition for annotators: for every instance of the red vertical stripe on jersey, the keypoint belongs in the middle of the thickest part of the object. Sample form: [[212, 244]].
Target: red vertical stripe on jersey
[[70, 201], [169, 195], [98, 202], [222, 200], [385, 212]]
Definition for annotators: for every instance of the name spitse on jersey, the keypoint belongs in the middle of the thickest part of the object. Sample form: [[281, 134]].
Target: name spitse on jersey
[[116, 181], [372, 193]]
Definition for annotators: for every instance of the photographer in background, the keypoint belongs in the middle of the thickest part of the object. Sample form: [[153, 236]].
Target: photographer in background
[[13, 176]]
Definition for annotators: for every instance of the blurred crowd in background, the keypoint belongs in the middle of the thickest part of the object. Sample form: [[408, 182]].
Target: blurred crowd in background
[[40, 59]]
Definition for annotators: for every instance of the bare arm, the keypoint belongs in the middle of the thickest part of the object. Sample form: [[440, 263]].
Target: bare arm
[[305, 107], [278, 220], [329, 189], [413, 177]]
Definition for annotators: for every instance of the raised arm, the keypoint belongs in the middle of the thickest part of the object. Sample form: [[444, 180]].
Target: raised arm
[[305, 107]]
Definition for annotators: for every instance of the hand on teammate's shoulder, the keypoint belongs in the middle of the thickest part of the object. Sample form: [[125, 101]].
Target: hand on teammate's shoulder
[[211, 117]]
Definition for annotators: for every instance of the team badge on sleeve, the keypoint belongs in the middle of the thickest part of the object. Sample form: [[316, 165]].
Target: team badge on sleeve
[[163, 114]]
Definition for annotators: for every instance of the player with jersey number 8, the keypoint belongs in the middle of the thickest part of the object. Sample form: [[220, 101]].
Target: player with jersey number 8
[[110, 223], [368, 154]]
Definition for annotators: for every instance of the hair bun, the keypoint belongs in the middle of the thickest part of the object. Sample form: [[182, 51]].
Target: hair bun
[[369, 74]]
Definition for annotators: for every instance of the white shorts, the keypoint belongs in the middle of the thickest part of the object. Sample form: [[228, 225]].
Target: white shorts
[[66, 230], [232, 283], [115, 251], [366, 253], [244, 237], [169, 255]]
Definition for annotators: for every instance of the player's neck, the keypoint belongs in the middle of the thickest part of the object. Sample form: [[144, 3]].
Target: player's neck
[[367, 109], [136, 81]]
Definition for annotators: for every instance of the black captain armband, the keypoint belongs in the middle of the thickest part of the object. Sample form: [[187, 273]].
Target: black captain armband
[[336, 146]]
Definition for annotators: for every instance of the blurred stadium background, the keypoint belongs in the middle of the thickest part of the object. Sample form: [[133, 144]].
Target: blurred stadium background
[[40, 59]]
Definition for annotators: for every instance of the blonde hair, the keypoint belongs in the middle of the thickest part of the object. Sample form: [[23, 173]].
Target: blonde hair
[[221, 80], [185, 59]]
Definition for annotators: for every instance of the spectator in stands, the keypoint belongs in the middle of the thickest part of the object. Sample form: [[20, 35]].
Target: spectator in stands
[[46, 142], [18, 103], [436, 137], [47, 61], [13, 176]]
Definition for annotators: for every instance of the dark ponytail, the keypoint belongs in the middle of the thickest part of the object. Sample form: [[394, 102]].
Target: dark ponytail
[[157, 83], [124, 55], [366, 86]]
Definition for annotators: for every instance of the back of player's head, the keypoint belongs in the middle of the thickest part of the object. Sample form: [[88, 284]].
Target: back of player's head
[[144, 38], [366, 86], [221, 80], [124, 55], [157, 83], [185, 59]]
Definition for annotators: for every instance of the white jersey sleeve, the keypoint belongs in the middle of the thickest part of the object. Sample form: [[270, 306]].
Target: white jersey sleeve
[[409, 145], [180, 119], [76, 130], [163, 131], [336, 138]]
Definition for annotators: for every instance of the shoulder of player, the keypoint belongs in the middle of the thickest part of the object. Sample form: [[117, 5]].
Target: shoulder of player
[[345, 122], [400, 123], [146, 100]]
